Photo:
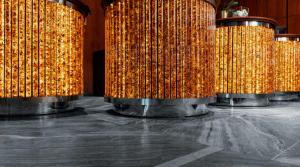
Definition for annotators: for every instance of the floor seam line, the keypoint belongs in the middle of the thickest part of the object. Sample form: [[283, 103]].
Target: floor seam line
[[284, 151], [183, 160]]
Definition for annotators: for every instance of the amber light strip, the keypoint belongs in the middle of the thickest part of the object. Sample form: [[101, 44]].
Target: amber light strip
[[162, 49], [287, 65], [244, 60], [40, 49]]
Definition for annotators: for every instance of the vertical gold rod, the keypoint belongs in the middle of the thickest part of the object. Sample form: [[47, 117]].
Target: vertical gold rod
[[197, 50], [48, 69], [123, 59], [148, 49], [119, 52], [180, 47], [35, 48], [235, 56], [60, 55], [143, 49], [11, 47], [22, 36], [2, 49], [66, 84], [81, 91], [28, 47], [167, 45], [15, 48], [138, 49], [221, 75], [78, 53], [193, 48], [184, 48], [157, 47], [76, 42], [76, 57], [18, 61], [160, 59], [69, 52], [41, 56], [8, 48], [129, 56], [173, 54], [55, 53], [165, 49], [230, 60], [153, 49], [257, 53], [32, 48]]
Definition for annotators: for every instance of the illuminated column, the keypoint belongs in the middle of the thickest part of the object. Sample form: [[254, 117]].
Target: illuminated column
[[41, 44], [287, 67], [160, 56], [244, 61]]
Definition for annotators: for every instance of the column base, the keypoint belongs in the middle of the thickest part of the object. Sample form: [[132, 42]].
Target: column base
[[36, 106], [161, 108], [285, 96], [243, 100]]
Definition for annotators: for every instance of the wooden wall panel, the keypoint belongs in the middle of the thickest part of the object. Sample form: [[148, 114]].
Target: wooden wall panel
[[281, 21], [294, 23], [294, 16], [294, 7], [94, 40], [275, 9]]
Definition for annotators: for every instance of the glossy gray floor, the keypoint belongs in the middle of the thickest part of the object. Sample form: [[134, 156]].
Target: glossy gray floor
[[96, 137]]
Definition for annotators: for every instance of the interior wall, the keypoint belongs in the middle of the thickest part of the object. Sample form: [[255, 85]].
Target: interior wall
[[294, 16], [94, 41], [276, 9]]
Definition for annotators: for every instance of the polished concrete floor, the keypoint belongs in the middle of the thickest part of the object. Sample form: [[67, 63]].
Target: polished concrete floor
[[95, 136]]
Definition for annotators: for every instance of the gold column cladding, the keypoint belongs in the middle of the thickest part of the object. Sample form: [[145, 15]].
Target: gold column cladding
[[287, 63], [244, 56], [160, 49], [41, 45]]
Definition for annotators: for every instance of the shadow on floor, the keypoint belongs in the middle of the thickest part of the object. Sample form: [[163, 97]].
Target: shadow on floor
[[113, 113], [69, 113]]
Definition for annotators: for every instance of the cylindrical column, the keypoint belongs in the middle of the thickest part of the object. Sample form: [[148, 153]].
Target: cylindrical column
[[287, 67], [41, 51], [244, 61], [160, 56]]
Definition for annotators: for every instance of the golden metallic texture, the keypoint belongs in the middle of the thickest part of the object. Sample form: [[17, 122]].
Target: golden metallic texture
[[244, 60], [40, 49], [287, 65], [161, 49]]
